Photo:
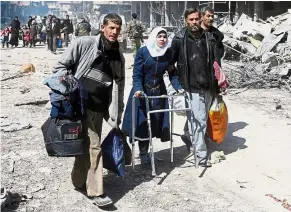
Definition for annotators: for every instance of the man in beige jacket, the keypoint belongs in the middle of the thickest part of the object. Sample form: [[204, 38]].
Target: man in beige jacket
[[98, 63]]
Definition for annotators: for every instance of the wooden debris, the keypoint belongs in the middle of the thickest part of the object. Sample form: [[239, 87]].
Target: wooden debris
[[11, 168], [38, 102], [18, 75]]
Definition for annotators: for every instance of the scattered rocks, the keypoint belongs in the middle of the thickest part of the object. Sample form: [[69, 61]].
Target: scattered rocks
[[38, 187], [13, 125], [24, 90], [217, 157]]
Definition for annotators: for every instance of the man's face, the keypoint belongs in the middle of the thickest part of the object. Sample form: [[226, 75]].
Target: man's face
[[111, 31], [67, 17], [193, 22], [208, 18]]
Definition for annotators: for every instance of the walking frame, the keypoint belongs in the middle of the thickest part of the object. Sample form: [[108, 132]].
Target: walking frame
[[149, 112]]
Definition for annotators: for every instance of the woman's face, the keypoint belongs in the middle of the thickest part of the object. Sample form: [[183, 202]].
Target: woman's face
[[161, 39]]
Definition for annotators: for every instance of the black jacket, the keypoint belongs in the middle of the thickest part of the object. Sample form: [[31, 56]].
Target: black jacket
[[179, 48], [219, 48], [56, 29], [69, 26]]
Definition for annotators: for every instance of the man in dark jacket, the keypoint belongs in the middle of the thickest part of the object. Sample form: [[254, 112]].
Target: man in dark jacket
[[29, 21], [207, 25], [193, 52], [56, 31], [49, 35], [99, 65], [67, 29]]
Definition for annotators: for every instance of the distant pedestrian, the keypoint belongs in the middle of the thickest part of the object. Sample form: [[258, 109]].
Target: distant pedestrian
[[33, 33], [15, 27], [135, 33], [5, 37]]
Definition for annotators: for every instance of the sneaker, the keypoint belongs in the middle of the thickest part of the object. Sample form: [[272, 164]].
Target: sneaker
[[145, 159], [101, 201]]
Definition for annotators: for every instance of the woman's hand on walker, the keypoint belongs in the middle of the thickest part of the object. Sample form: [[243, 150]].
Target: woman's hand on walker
[[138, 94]]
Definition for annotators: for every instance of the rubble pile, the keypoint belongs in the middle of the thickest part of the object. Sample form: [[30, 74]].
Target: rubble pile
[[262, 51]]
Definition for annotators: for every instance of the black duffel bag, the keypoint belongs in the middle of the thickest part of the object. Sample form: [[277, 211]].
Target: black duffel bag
[[63, 137]]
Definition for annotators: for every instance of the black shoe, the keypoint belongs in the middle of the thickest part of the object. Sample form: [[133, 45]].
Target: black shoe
[[145, 158], [203, 162], [188, 143]]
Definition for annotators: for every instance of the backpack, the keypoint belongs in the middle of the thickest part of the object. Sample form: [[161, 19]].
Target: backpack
[[136, 29]]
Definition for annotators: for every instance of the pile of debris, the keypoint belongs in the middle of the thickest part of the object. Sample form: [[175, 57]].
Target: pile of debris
[[263, 49]]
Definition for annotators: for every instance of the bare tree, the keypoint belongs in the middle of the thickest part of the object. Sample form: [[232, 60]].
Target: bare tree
[[158, 7]]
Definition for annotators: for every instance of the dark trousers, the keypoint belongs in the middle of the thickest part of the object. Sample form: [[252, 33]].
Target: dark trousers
[[32, 42], [5, 41], [54, 43], [66, 38], [49, 41]]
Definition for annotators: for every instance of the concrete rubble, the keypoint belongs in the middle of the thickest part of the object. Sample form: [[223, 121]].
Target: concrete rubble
[[12, 125], [259, 53]]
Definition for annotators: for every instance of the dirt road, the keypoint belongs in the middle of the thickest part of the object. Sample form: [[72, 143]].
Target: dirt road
[[257, 149]]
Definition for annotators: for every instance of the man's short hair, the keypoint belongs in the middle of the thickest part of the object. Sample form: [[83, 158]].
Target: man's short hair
[[205, 9], [190, 11], [134, 15], [113, 17]]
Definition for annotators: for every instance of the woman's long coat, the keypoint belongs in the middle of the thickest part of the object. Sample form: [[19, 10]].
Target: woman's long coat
[[148, 77], [15, 27], [33, 32]]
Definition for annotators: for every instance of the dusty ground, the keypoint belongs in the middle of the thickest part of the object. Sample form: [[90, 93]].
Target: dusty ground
[[257, 149]]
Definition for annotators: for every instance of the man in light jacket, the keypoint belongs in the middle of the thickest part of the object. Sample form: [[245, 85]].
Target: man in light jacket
[[98, 63]]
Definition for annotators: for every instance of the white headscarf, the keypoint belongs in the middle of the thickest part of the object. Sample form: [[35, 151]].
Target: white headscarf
[[154, 49]]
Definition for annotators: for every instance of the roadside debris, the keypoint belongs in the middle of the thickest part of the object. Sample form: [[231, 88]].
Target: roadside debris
[[217, 157], [37, 102], [27, 68], [18, 75], [12, 163], [13, 125], [24, 90], [38, 187], [258, 54], [284, 202]]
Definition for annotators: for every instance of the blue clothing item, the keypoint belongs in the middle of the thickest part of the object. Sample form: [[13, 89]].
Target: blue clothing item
[[62, 109], [62, 82], [68, 95], [148, 77]]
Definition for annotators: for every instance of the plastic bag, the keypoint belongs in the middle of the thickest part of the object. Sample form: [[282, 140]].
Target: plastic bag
[[178, 101], [217, 120], [115, 152]]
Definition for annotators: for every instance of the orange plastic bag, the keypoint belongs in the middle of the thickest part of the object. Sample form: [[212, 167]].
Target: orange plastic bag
[[217, 121]]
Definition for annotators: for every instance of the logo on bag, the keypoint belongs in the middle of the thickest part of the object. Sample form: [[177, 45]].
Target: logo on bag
[[70, 136], [72, 130]]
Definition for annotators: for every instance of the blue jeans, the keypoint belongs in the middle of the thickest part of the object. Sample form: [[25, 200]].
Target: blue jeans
[[200, 103]]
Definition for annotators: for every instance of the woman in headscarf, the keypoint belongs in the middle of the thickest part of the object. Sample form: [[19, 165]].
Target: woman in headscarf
[[15, 27], [151, 62]]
